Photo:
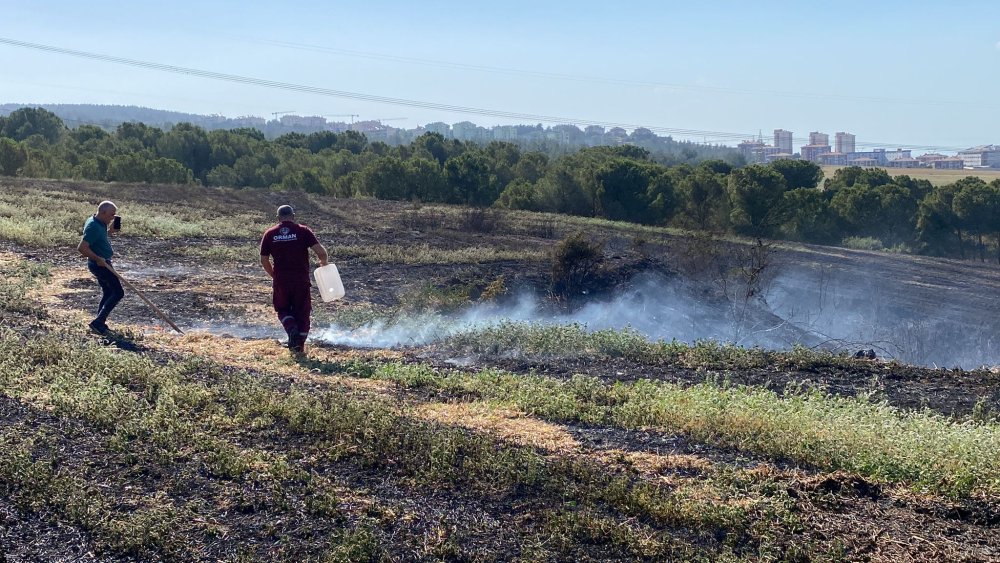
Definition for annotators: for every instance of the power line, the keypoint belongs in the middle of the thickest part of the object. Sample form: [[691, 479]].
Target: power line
[[605, 80], [735, 137]]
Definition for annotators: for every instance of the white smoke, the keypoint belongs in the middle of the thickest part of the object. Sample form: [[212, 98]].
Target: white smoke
[[653, 306], [810, 308]]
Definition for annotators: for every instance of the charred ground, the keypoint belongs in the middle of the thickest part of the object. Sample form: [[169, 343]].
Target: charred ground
[[213, 446]]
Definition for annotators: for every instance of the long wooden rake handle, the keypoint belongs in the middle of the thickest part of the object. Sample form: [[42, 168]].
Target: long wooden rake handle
[[155, 309]]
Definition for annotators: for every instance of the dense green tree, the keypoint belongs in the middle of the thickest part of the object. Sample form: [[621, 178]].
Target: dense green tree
[[425, 181], [703, 199], [351, 141], [189, 145], [305, 181], [798, 173], [87, 133], [380, 148], [715, 166], [562, 191], [471, 178], [851, 175], [293, 141], [129, 167], [223, 175], [145, 136], [531, 167], [25, 122], [809, 217], [503, 159], [12, 157], [918, 188], [939, 231], [897, 213], [756, 196], [167, 171], [385, 178], [634, 190], [519, 194], [321, 140], [432, 146], [859, 207], [95, 168], [621, 189], [977, 206], [870, 203]]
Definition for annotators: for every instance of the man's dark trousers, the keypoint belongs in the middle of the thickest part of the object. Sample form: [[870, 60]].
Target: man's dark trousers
[[111, 287]]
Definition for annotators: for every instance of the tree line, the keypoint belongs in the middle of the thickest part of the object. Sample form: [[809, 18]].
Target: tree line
[[784, 200]]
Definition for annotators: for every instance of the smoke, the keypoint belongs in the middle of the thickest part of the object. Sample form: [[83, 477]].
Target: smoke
[[814, 308], [652, 305]]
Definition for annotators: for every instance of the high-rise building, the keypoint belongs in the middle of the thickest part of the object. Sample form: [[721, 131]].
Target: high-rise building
[[818, 139], [844, 142], [749, 148], [783, 140]]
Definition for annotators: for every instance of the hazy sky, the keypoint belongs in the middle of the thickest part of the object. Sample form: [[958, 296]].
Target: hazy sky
[[891, 72]]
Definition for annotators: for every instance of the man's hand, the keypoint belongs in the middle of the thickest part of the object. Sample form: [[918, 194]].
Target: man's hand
[[320, 251], [101, 262], [265, 262]]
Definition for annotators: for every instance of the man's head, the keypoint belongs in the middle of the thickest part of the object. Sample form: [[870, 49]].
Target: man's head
[[286, 213], [106, 211]]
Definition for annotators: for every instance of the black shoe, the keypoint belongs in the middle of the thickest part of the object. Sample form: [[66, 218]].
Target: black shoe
[[297, 344], [292, 332], [98, 326]]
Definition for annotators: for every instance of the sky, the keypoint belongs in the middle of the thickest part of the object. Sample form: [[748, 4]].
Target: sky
[[893, 73]]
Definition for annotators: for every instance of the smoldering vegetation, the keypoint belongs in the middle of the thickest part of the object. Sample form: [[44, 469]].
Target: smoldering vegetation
[[819, 308]]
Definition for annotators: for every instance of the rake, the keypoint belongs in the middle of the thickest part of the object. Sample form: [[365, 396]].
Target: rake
[[155, 309]]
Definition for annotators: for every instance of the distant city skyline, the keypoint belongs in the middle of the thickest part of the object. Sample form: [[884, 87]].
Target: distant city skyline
[[891, 73]]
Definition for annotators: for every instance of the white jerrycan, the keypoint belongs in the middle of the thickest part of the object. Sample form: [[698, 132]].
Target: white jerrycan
[[328, 281]]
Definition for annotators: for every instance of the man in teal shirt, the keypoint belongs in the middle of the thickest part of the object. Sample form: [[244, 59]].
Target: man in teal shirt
[[96, 246]]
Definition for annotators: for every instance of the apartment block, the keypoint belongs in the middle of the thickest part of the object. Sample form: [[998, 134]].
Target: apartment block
[[843, 142], [812, 152], [783, 140], [981, 156], [816, 138]]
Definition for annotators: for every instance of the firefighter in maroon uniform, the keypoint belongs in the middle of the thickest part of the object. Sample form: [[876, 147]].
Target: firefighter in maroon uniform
[[288, 244]]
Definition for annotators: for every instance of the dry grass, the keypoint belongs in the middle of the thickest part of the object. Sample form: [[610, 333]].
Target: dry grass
[[936, 177], [505, 422], [378, 455]]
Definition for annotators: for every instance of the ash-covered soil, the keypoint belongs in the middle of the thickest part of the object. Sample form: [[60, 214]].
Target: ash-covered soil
[[855, 519], [907, 306]]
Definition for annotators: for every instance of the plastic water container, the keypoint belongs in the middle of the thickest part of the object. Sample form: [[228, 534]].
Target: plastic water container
[[328, 282]]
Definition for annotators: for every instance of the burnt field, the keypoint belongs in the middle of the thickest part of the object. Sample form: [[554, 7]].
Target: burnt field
[[607, 419]]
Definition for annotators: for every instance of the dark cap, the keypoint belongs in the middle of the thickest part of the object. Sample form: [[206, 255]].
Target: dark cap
[[286, 211]]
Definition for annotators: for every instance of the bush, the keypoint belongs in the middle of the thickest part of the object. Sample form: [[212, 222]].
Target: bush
[[480, 220], [577, 266]]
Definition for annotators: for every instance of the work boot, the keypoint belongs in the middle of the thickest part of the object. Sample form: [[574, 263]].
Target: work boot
[[297, 345], [98, 326], [291, 329]]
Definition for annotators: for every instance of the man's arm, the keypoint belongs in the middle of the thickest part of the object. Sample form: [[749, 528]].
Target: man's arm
[[265, 262], [84, 248], [320, 253]]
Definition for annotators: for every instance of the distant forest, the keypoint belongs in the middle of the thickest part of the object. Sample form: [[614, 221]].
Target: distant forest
[[860, 208], [554, 141]]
